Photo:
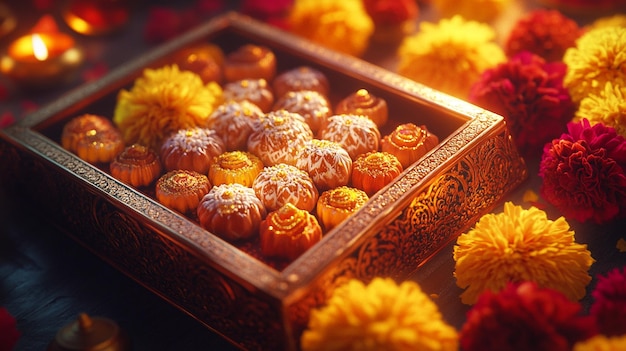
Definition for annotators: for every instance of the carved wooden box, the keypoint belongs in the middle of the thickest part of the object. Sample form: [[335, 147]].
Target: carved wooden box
[[253, 304]]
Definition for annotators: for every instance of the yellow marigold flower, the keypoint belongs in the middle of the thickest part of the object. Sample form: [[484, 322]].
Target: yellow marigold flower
[[343, 26], [608, 107], [379, 316], [449, 55], [163, 101], [477, 10], [602, 343], [599, 57], [617, 20], [520, 245]]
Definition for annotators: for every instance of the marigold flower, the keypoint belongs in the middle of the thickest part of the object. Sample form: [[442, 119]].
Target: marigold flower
[[598, 57], [602, 343], [381, 315], [161, 102], [9, 334], [266, 10], [615, 20], [343, 26], [529, 94], [547, 33], [520, 245], [523, 317], [584, 174], [609, 305], [449, 55], [476, 10], [608, 108]]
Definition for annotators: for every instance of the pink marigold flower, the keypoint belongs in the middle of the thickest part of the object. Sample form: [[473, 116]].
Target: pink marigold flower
[[546, 33], [529, 93], [609, 306], [525, 317], [584, 173]]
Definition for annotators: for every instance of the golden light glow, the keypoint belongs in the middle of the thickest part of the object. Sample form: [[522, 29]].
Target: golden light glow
[[39, 47]]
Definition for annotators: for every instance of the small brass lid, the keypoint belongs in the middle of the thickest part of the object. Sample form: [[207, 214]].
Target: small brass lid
[[90, 334]]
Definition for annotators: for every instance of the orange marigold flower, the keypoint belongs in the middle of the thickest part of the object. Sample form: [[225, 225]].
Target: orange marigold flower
[[381, 315], [477, 10], [520, 245], [163, 101]]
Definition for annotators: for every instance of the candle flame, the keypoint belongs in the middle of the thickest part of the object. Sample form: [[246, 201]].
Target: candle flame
[[39, 47]]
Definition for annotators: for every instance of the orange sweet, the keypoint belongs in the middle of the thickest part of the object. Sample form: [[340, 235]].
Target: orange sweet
[[288, 232], [137, 165], [181, 190], [335, 205], [409, 142], [373, 170]]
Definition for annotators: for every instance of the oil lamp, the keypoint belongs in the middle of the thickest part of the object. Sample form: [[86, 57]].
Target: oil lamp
[[96, 17], [42, 59]]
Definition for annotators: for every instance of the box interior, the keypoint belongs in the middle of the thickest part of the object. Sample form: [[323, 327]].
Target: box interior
[[403, 107]]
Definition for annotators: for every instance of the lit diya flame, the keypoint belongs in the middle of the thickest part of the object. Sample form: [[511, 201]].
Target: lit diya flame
[[39, 47]]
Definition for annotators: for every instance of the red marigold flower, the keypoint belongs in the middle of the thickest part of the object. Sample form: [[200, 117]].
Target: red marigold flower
[[547, 33], [528, 92], [97, 71], [609, 305], [525, 317], [164, 23], [266, 10], [8, 331], [388, 12], [6, 119], [584, 173]]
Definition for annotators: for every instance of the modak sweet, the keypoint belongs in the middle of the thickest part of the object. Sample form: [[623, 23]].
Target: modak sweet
[[280, 184], [257, 91], [235, 167], [136, 165], [373, 170], [301, 78], [181, 190], [357, 134], [250, 61], [231, 211], [279, 137], [234, 121], [311, 105], [93, 138], [362, 102], [335, 205], [409, 142], [204, 59], [288, 232], [191, 149], [326, 162]]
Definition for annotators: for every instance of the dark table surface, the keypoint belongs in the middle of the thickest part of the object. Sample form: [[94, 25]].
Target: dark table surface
[[46, 279]]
